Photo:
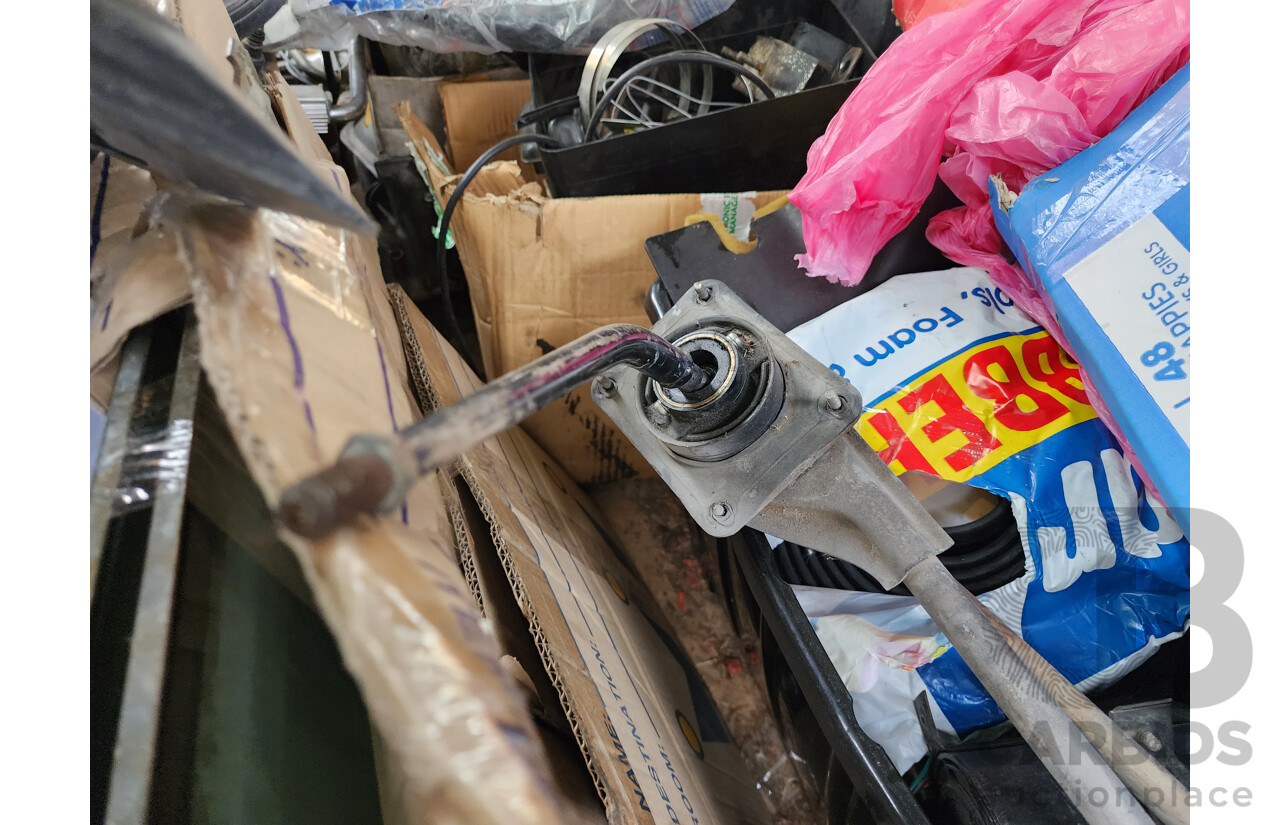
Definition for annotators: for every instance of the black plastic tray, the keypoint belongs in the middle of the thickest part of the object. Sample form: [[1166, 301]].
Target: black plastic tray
[[758, 146]]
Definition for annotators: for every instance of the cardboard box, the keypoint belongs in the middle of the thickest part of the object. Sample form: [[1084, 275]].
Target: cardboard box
[[544, 271], [649, 730], [1106, 240]]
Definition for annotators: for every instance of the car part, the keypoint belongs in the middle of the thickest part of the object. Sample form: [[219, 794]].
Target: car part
[[679, 58], [604, 56], [748, 429], [357, 74], [375, 471], [139, 490], [315, 102], [811, 57], [987, 554], [836, 58], [785, 68]]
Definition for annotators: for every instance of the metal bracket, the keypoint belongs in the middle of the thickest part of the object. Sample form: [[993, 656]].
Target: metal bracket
[[818, 406]]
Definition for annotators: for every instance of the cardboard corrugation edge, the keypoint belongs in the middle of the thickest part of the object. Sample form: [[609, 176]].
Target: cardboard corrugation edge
[[428, 400], [571, 712], [464, 547], [423, 384]]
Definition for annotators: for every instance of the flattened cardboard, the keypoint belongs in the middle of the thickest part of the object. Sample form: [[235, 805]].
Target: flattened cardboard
[[649, 731], [301, 349], [134, 269], [544, 271], [134, 272]]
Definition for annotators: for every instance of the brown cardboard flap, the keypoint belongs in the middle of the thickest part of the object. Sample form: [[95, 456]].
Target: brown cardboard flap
[[478, 113], [650, 733], [543, 271], [300, 346]]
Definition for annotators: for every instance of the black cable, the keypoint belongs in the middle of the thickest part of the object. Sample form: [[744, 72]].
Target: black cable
[[331, 84], [683, 56], [442, 259]]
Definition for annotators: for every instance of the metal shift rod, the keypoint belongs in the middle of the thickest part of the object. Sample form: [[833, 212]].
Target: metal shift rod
[[375, 471]]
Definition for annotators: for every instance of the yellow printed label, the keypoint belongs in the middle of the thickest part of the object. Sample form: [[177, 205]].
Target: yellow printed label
[[974, 410]]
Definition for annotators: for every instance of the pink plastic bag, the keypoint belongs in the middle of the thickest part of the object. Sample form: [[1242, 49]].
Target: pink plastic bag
[[1000, 86]]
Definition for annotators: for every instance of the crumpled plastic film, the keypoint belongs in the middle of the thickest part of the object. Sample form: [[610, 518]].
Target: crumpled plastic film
[[151, 458], [484, 26], [1010, 87], [300, 347]]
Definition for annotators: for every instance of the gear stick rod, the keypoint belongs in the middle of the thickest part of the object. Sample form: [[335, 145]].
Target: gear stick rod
[[375, 471]]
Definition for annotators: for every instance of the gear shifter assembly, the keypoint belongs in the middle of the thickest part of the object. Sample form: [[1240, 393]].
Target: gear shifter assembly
[[749, 430]]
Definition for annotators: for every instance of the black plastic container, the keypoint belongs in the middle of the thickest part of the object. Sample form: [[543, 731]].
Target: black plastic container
[[758, 146]]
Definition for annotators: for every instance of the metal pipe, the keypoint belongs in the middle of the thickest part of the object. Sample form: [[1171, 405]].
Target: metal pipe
[[1163, 794], [357, 69], [1082, 773], [374, 471]]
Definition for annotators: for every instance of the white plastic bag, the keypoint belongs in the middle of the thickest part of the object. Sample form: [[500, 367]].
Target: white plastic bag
[[485, 26]]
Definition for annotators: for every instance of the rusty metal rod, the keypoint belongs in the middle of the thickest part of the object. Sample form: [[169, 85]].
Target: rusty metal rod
[[374, 472], [1017, 683]]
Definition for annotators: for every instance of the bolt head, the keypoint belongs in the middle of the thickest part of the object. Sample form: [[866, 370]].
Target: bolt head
[[603, 387], [720, 511], [1150, 741]]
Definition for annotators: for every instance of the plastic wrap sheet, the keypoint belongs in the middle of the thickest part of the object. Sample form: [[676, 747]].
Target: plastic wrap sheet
[[154, 455], [1079, 217], [300, 347], [485, 26]]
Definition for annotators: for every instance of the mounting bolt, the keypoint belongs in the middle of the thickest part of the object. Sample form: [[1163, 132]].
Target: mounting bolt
[[603, 387], [1150, 741], [703, 292], [738, 339], [832, 402], [720, 511], [660, 415]]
